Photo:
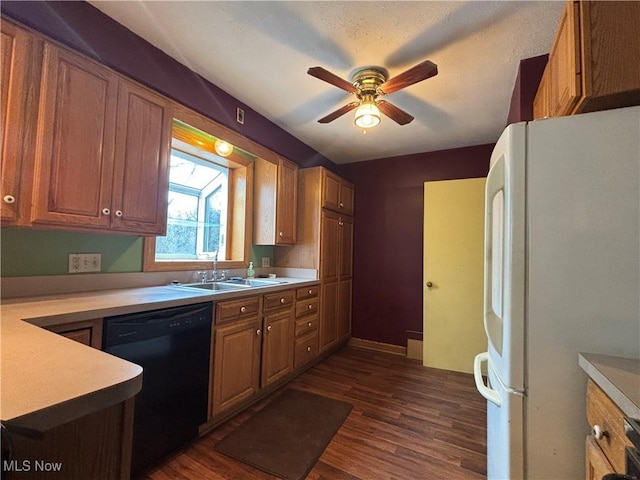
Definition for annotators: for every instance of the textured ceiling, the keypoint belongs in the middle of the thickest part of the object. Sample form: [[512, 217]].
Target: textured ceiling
[[259, 52]]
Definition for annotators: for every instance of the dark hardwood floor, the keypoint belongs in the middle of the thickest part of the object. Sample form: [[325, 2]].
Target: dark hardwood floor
[[408, 422]]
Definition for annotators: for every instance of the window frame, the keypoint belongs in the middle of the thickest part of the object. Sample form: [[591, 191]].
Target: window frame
[[240, 195]]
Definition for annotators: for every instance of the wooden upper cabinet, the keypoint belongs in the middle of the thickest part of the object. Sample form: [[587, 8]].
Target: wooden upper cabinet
[[141, 177], [102, 149], [276, 187], [593, 63], [75, 140], [16, 46], [337, 193]]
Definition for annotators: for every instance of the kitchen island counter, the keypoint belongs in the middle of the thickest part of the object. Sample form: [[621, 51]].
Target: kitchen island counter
[[618, 377], [49, 380]]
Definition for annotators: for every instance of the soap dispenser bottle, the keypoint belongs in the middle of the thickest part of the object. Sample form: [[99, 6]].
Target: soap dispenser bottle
[[250, 271]]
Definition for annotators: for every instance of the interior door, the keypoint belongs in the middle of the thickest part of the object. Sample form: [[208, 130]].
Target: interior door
[[453, 273]]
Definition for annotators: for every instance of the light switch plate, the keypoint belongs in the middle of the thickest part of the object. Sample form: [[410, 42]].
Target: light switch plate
[[85, 262], [266, 262]]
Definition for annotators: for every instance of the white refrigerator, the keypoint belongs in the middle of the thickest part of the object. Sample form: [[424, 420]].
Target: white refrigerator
[[562, 276]]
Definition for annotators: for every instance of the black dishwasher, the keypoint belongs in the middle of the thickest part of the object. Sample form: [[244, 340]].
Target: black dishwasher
[[172, 346]]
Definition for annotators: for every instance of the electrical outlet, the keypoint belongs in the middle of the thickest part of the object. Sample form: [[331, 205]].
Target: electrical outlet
[[266, 262], [240, 115], [84, 262]]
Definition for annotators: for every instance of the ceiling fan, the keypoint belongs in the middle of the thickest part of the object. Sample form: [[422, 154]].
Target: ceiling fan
[[370, 83]]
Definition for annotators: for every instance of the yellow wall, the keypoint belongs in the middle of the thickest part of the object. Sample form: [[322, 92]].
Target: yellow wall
[[453, 262]]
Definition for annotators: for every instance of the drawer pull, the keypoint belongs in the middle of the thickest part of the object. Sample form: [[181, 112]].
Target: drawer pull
[[309, 324], [310, 291], [310, 307], [9, 199], [243, 309], [282, 300], [599, 433], [309, 349]]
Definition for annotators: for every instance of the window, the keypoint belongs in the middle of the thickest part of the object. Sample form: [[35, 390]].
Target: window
[[209, 198], [197, 215]]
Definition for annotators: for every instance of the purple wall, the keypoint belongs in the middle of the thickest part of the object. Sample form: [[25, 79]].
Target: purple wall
[[86, 29], [387, 281], [524, 91]]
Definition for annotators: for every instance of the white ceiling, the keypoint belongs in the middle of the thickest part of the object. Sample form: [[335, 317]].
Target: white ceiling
[[259, 52]]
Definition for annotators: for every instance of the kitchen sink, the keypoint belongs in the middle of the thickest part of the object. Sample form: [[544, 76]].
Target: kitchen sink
[[253, 282], [217, 286]]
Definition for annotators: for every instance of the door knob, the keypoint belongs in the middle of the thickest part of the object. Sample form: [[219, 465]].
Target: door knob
[[429, 285]]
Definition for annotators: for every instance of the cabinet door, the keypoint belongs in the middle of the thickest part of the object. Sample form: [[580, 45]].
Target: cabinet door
[[74, 151], [328, 314], [330, 190], [236, 363], [329, 246], [346, 198], [16, 51], [345, 231], [277, 346], [141, 181], [597, 465], [541, 101], [344, 308], [286, 202], [564, 64]]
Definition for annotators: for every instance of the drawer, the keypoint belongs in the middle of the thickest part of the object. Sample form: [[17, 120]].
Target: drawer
[[305, 325], [306, 307], [233, 309], [273, 301], [307, 292], [306, 349], [601, 411]]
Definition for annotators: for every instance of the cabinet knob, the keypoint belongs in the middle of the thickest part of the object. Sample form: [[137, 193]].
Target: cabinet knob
[[599, 433], [341, 223], [243, 309], [429, 284], [118, 213], [341, 204], [310, 291], [309, 324], [281, 234], [106, 211], [258, 332], [309, 349], [9, 199], [282, 300], [269, 328], [310, 307]]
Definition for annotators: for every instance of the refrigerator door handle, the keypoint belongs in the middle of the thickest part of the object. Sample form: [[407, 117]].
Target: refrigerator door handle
[[488, 393]]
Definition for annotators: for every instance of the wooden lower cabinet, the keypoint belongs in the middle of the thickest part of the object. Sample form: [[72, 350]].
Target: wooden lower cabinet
[[97, 446], [597, 465], [277, 347], [236, 363], [87, 332], [605, 449], [328, 319]]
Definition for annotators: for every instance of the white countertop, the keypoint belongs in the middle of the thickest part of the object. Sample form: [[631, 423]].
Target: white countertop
[[618, 377], [47, 380]]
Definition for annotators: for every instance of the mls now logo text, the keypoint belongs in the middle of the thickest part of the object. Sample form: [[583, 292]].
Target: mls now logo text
[[31, 466]]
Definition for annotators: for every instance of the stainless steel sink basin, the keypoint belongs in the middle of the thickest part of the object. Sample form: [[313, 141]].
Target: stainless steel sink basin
[[253, 282], [216, 286]]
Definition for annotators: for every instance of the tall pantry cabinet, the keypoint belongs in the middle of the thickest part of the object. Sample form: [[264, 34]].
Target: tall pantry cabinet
[[325, 243]]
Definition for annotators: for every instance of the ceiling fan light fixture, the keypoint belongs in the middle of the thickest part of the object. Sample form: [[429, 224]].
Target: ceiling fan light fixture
[[223, 148], [367, 115]]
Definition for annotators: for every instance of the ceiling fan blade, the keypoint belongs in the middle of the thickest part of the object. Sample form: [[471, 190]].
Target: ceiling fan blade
[[420, 72], [331, 78], [394, 113], [338, 113]]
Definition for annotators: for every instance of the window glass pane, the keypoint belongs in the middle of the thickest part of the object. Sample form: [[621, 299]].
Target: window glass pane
[[182, 221], [197, 213]]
